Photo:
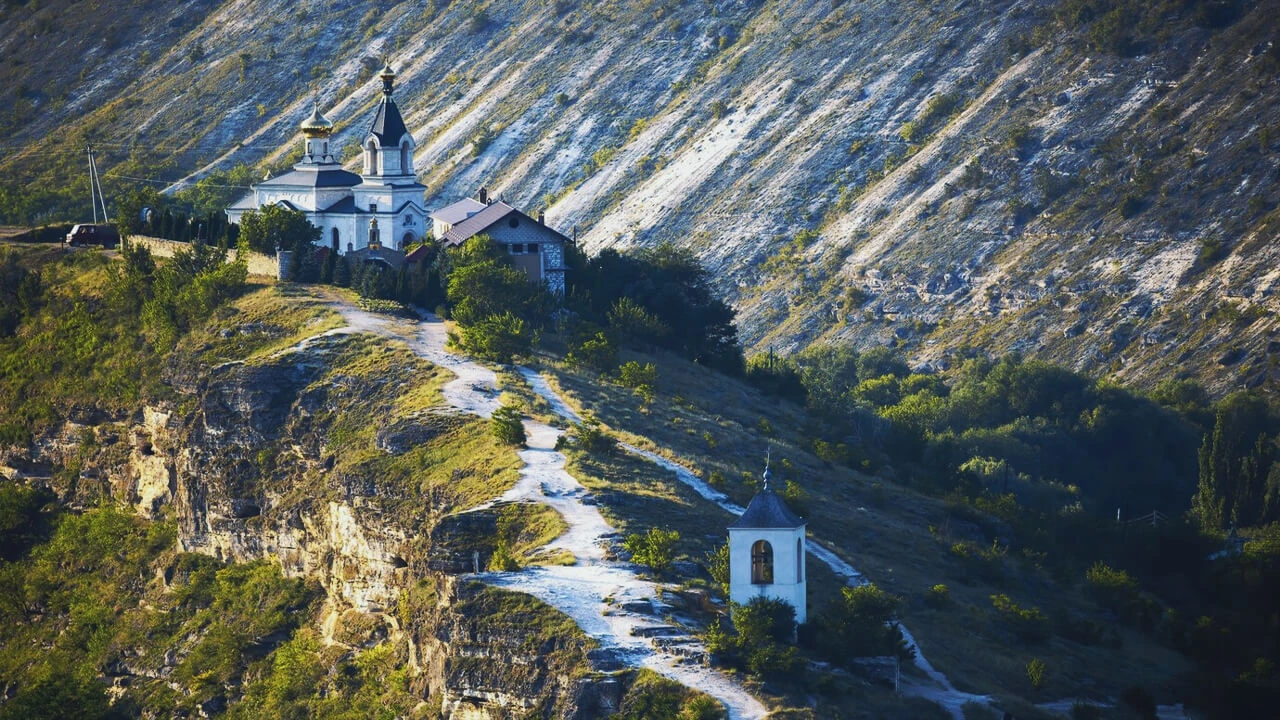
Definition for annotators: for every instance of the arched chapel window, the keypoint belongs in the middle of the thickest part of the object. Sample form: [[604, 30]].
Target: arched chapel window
[[761, 563]]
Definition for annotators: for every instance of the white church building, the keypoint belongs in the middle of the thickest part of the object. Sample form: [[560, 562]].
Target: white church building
[[382, 206], [767, 553]]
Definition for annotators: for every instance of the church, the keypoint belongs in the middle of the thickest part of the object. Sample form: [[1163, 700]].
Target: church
[[767, 553], [382, 206]]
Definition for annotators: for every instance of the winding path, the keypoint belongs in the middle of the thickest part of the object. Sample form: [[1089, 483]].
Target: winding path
[[606, 598], [940, 691]]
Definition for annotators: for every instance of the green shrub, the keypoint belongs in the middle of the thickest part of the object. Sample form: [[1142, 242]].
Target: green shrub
[[654, 549], [635, 375], [499, 338], [1035, 673], [765, 626], [938, 597], [588, 437], [597, 352], [1029, 624], [717, 564], [859, 624], [1212, 249], [503, 560], [1130, 205], [508, 425]]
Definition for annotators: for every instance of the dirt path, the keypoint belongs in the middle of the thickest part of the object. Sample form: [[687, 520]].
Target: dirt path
[[938, 689], [604, 597]]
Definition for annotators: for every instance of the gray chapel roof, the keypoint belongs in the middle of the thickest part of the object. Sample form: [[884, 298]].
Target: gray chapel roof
[[766, 510]]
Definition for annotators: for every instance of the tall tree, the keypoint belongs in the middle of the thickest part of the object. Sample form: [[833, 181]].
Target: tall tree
[[276, 228]]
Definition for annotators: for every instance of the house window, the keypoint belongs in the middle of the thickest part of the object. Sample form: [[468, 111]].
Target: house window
[[514, 222], [533, 248], [517, 249], [762, 563]]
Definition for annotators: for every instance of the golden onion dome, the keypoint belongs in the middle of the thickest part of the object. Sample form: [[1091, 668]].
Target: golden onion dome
[[317, 125], [387, 73]]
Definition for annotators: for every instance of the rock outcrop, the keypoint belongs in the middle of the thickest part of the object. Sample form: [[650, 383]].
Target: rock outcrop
[[246, 460]]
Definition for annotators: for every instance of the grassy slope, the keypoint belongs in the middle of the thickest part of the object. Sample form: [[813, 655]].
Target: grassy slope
[[68, 607], [878, 525], [1187, 126]]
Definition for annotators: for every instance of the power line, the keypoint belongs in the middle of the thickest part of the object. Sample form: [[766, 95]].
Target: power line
[[172, 182]]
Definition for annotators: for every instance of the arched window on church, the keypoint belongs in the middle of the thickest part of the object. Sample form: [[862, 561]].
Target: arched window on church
[[406, 167], [761, 563], [371, 158], [799, 560], [335, 240]]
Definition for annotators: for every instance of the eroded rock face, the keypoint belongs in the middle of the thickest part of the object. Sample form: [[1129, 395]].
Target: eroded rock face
[[491, 655], [241, 461]]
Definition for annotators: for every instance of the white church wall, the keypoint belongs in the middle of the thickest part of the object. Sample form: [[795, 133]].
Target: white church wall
[[789, 580]]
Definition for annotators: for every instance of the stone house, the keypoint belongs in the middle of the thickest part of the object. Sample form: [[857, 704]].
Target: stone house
[[532, 246]]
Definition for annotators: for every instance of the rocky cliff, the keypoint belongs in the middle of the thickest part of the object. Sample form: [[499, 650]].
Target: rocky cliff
[[1088, 181], [334, 460]]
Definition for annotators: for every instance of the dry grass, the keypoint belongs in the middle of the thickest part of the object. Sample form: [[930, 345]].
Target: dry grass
[[714, 424]]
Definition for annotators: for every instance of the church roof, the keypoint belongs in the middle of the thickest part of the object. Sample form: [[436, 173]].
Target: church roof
[[248, 202], [330, 178], [765, 511], [388, 126], [345, 206]]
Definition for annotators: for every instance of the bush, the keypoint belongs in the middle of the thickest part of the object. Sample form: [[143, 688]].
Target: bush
[[765, 626], [588, 437], [717, 564], [597, 352], [1029, 624], [499, 338], [635, 375], [508, 426], [796, 498], [859, 624], [1035, 673], [655, 549], [937, 597], [1130, 205]]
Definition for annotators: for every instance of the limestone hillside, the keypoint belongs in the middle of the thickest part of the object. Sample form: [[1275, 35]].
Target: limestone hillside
[[1089, 181]]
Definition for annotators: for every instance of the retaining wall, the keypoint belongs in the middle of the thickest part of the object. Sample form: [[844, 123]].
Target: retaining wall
[[259, 264]]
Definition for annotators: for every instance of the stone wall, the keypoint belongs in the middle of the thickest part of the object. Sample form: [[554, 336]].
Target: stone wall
[[259, 264]]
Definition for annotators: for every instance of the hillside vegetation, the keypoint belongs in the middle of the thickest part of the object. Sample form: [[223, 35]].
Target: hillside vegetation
[[1091, 182], [982, 497]]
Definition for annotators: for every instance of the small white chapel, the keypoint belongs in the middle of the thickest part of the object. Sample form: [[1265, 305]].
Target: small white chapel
[[767, 553]]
